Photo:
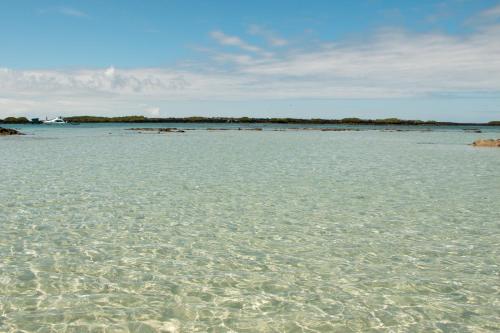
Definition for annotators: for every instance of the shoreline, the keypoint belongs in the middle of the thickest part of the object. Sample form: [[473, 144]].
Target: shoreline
[[246, 120]]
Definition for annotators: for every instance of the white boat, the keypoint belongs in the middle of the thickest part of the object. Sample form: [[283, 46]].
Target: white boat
[[57, 121]]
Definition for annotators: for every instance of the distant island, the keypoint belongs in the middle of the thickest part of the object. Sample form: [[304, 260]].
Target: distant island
[[247, 120]]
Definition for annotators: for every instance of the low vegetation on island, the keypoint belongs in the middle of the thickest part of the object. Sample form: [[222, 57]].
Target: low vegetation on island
[[248, 120], [15, 120]]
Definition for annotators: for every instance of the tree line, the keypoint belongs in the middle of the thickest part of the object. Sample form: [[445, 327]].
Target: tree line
[[247, 120]]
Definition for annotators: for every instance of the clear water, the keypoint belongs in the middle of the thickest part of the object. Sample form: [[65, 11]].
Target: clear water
[[108, 230]]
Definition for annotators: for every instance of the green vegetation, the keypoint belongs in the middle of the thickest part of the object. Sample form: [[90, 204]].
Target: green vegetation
[[351, 121], [248, 120], [15, 120], [94, 119]]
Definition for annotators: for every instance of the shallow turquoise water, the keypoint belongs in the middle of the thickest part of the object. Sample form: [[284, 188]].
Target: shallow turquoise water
[[103, 229]]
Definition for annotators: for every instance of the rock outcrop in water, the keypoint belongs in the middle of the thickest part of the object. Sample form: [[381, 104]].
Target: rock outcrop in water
[[9, 131], [338, 129], [158, 130], [487, 143]]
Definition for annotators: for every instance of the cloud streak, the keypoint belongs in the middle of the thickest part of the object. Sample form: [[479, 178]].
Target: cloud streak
[[486, 17], [64, 10], [491, 13], [228, 40], [68, 11], [271, 38]]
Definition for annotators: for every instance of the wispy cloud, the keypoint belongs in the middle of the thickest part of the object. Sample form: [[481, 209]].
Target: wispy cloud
[[68, 11], [64, 10], [153, 111], [442, 11], [229, 40], [487, 16], [270, 36], [493, 12]]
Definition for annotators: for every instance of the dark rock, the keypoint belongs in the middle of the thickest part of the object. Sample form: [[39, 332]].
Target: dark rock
[[9, 131], [338, 129], [158, 130]]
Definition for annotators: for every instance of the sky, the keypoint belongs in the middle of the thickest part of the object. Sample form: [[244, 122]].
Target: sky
[[428, 60]]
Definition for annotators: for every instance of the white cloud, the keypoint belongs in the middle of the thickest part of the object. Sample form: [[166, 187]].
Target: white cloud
[[403, 64], [487, 16], [240, 59], [153, 112], [391, 64], [63, 10], [110, 71], [493, 12], [271, 37], [71, 12], [224, 39]]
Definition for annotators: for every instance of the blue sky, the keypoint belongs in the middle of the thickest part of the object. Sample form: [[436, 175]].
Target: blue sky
[[372, 59]]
